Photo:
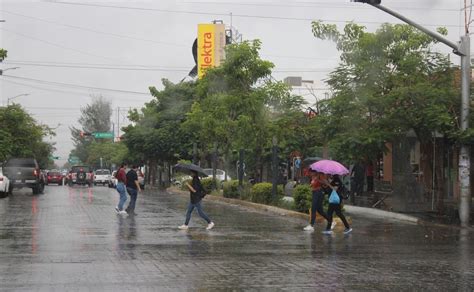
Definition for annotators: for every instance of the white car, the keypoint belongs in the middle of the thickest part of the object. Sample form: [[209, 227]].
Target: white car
[[102, 176], [113, 180], [220, 174], [4, 184]]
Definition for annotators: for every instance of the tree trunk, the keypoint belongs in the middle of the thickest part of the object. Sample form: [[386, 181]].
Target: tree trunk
[[439, 176]]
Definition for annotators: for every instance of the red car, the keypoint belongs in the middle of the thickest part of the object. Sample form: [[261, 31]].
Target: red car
[[54, 178]]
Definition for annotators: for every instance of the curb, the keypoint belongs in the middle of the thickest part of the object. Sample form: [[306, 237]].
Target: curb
[[355, 210], [260, 207], [381, 214]]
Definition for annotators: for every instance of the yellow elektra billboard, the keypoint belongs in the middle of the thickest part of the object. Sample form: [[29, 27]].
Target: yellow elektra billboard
[[210, 47]]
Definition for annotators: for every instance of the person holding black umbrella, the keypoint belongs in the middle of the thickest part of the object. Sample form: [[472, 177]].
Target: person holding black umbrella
[[196, 192]]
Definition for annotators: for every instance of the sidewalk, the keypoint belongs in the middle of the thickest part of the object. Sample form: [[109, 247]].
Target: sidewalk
[[350, 210]]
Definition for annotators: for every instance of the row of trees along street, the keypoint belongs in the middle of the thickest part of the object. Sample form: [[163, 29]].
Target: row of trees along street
[[387, 83]]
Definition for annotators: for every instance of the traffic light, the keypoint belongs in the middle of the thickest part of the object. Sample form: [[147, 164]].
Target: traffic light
[[368, 1], [85, 134]]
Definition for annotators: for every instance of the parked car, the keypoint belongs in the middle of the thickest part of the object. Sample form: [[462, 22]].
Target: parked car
[[180, 180], [113, 180], [24, 172], [80, 175], [54, 177], [102, 176], [220, 174], [4, 184]]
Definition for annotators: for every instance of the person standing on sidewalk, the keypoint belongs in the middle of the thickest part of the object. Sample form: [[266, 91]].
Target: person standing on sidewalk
[[370, 176], [317, 200], [196, 191], [133, 187], [335, 184], [357, 180], [121, 183]]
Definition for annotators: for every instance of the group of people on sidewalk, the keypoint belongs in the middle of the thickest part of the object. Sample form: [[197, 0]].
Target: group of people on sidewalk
[[321, 185]]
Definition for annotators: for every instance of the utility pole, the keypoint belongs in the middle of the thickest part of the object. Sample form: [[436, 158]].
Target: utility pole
[[214, 167], [274, 168], [462, 49], [195, 160], [240, 172], [118, 122]]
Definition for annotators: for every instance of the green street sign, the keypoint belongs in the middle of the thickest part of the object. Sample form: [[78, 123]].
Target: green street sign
[[73, 161], [103, 135]]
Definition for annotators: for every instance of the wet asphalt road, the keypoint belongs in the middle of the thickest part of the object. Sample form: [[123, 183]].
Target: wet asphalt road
[[71, 239]]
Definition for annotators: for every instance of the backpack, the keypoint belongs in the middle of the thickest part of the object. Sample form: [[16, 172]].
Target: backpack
[[343, 192]]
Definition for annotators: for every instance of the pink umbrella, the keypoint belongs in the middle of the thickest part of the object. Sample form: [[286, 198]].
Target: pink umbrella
[[329, 167]]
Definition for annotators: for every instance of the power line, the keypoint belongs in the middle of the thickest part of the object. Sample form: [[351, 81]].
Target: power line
[[57, 45], [162, 69], [233, 15], [96, 31], [316, 4], [66, 91], [75, 85], [19, 62]]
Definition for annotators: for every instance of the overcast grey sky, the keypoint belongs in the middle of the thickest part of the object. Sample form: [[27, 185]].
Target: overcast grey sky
[[68, 51]]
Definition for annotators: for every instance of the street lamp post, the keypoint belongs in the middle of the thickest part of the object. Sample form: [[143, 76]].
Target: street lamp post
[[12, 68], [10, 98], [462, 49]]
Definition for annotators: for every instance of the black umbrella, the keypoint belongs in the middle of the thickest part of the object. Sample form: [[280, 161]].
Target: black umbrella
[[188, 167], [310, 160]]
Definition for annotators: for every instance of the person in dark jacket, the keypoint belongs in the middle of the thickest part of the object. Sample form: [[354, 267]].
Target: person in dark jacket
[[336, 184], [133, 187], [196, 193]]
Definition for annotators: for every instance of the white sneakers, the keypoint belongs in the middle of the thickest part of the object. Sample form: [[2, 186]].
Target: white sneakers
[[311, 228], [186, 227], [123, 212], [210, 225], [308, 228]]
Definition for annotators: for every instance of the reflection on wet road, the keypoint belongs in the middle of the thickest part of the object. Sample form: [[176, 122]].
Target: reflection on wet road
[[72, 239]]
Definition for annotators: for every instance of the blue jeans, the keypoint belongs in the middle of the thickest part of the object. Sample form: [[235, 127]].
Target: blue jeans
[[133, 198], [198, 206], [123, 196]]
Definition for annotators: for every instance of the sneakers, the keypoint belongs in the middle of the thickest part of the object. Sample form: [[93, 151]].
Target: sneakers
[[117, 209], [327, 232], [333, 224], [123, 212], [209, 226], [308, 228], [348, 230], [183, 227]]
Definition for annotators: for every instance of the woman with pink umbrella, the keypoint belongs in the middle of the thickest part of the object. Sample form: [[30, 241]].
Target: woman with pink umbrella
[[335, 169]]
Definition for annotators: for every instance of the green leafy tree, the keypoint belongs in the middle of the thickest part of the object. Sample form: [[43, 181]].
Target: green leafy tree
[[22, 136], [238, 102], [95, 117], [3, 54], [111, 153], [155, 137], [387, 82]]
